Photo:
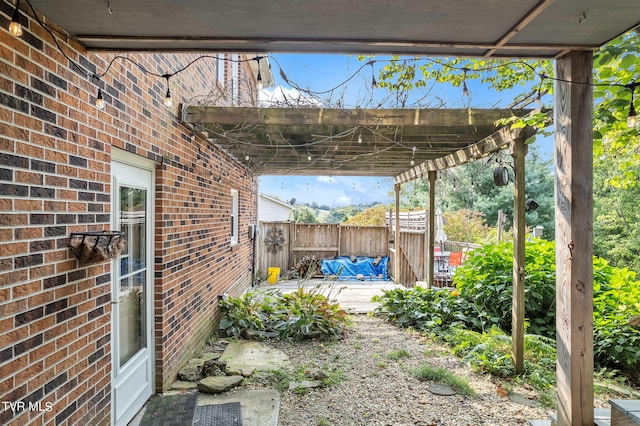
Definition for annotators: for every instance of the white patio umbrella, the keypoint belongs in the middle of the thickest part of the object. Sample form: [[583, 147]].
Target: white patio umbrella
[[440, 237]]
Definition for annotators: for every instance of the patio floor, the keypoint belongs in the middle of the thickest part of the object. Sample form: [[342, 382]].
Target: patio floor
[[354, 296]]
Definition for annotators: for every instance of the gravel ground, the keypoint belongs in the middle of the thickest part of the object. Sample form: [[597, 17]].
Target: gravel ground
[[377, 390]]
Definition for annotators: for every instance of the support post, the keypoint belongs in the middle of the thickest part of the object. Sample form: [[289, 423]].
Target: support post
[[396, 237], [518, 152], [431, 231], [574, 237]]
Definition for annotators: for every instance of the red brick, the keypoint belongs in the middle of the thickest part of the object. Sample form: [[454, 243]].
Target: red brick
[[29, 177], [28, 205], [25, 375], [13, 249], [26, 289], [42, 271]]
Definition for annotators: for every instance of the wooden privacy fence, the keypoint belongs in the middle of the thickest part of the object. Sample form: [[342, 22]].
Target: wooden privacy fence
[[283, 244]]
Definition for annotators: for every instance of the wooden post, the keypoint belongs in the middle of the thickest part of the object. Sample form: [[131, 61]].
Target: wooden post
[[396, 259], [518, 152], [431, 231], [573, 119]]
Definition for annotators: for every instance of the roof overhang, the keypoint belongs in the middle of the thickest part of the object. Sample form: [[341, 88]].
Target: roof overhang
[[498, 28], [402, 143]]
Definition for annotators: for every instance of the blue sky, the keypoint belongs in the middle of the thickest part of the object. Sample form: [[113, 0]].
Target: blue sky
[[322, 72]]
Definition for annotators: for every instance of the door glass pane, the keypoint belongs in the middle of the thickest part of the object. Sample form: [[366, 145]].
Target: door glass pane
[[133, 270]]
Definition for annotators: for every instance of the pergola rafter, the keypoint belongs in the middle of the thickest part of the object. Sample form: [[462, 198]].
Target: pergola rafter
[[402, 143]]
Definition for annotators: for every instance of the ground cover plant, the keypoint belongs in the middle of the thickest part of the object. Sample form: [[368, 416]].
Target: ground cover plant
[[475, 318]]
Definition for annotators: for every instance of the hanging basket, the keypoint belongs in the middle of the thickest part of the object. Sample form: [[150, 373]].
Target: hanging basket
[[92, 247]]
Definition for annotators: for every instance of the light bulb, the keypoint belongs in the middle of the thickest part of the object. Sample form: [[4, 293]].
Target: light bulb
[[359, 138], [246, 157], [14, 27], [259, 79], [99, 100], [413, 162], [309, 157], [167, 99], [632, 118], [465, 89]]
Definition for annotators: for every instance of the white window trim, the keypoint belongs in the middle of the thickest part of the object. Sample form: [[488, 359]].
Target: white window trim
[[235, 216]]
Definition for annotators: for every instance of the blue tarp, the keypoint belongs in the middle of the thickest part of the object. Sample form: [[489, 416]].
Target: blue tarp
[[361, 269]]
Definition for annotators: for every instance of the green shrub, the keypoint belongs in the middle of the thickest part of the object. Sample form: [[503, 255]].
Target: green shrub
[[486, 280], [485, 285], [432, 310], [616, 300], [298, 315]]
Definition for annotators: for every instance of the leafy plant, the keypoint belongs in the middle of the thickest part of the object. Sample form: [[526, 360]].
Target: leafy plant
[[303, 314], [484, 304], [616, 300], [486, 280], [423, 309]]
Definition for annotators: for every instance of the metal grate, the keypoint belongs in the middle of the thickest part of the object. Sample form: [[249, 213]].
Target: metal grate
[[218, 415]]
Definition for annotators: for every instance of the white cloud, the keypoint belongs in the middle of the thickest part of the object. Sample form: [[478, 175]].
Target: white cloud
[[286, 97], [325, 179], [342, 201]]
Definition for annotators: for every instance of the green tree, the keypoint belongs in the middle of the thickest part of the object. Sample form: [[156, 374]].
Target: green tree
[[466, 225], [471, 187], [371, 216], [304, 214], [615, 220]]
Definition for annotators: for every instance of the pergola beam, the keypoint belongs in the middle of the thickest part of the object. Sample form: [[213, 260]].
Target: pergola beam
[[493, 143]]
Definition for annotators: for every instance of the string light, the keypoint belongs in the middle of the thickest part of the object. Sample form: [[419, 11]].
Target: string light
[[16, 30], [14, 27], [259, 77], [465, 89], [632, 118], [167, 98], [413, 161], [99, 100], [374, 83], [359, 137]]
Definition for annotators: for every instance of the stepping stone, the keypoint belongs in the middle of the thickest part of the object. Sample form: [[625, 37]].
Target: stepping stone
[[219, 384], [182, 385], [523, 400], [244, 357], [442, 390]]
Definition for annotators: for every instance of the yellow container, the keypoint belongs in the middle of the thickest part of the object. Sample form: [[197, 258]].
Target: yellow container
[[273, 274]]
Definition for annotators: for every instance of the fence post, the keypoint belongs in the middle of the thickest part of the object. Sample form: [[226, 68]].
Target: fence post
[[430, 230]]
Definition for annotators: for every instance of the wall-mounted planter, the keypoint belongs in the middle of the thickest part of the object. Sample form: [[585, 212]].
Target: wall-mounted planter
[[92, 247]]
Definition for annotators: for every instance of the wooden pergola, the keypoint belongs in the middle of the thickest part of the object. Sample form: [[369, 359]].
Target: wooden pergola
[[404, 143], [564, 30], [351, 142]]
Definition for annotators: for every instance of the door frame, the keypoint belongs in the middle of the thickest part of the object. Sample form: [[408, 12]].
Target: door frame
[[128, 159]]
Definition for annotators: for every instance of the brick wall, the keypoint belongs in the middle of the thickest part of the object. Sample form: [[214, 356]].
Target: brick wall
[[55, 178]]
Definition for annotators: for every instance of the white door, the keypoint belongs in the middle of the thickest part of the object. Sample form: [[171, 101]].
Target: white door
[[132, 292]]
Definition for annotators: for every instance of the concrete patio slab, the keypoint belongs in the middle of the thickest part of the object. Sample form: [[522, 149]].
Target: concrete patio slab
[[353, 296], [258, 407]]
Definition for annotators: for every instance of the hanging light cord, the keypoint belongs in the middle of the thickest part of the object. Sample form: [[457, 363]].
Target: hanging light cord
[[630, 86]]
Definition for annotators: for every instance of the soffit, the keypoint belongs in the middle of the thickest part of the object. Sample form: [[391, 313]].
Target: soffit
[[523, 28]]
